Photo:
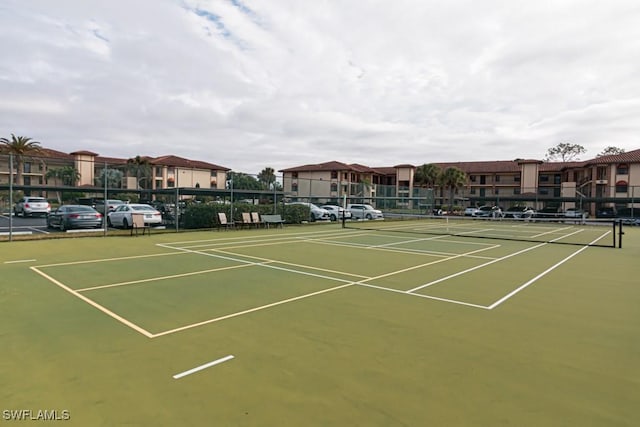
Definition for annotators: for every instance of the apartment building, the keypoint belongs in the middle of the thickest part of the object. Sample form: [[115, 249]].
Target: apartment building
[[613, 179], [160, 173]]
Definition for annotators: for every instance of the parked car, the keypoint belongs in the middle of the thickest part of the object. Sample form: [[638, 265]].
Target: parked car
[[576, 213], [32, 206], [315, 213], [518, 212], [485, 211], [470, 211], [122, 215], [629, 216], [67, 217], [337, 212], [364, 211], [111, 205], [606, 212]]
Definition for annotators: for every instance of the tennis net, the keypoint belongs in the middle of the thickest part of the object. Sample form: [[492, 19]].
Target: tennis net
[[596, 232]]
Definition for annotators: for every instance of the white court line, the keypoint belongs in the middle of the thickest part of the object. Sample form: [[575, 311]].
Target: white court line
[[496, 260], [544, 273], [96, 305], [201, 367], [347, 284], [173, 276], [19, 260], [451, 276], [554, 230], [90, 261], [425, 296], [326, 270], [266, 237], [251, 310]]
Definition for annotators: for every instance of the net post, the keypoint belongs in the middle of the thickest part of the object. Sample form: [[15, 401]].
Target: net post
[[620, 233]]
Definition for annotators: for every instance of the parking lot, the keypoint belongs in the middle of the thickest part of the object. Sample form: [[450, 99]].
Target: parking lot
[[28, 225]]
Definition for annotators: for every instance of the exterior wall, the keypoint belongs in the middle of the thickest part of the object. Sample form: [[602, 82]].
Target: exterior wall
[[529, 177], [84, 164]]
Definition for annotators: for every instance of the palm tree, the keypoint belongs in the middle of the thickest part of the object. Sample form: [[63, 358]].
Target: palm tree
[[21, 147], [452, 178], [68, 175], [113, 177], [427, 175], [267, 177], [140, 167]]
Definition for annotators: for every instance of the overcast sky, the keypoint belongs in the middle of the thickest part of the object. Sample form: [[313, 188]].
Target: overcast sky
[[248, 84]]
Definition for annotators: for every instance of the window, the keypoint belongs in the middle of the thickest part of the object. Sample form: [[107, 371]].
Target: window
[[623, 169], [473, 191], [544, 178], [622, 187], [543, 191], [334, 174], [516, 191], [158, 170], [472, 178], [483, 179], [170, 183], [334, 187], [294, 174], [497, 191], [497, 178], [27, 180], [26, 167], [516, 178], [557, 179]]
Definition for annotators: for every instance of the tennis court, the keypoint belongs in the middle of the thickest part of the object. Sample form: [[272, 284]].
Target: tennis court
[[404, 323]]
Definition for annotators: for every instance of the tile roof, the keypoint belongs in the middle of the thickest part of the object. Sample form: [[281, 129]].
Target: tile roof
[[628, 157], [327, 166], [171, 160]]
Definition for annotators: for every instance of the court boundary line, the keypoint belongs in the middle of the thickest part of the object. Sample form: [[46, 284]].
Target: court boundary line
[[94, 304], [265, 263], [348, 284]]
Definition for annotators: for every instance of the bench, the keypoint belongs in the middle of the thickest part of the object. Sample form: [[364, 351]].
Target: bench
[[272, 219]]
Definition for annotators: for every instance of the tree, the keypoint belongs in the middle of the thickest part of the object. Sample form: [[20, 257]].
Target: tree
[[21, 147], [267, 177], [451, 179], [427, 175], [610, 151], [565, 152], [242, 181], [140, 168], [113, 177], [67, 175]]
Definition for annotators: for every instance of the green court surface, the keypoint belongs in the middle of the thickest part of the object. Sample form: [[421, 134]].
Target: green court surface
[[320, 326]]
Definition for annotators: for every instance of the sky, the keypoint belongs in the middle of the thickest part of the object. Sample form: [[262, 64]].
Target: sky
[[282, 83]]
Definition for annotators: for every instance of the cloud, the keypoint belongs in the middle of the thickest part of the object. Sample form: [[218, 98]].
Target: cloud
[[282, 83]]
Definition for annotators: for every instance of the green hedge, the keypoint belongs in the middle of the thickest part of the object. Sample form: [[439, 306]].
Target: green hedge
[[205, 215]]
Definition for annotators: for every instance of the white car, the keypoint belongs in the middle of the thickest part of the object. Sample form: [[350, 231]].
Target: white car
[[337, 212], [122, 215], [470, 211], [364, 211], [32, 206], [315, 213]]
